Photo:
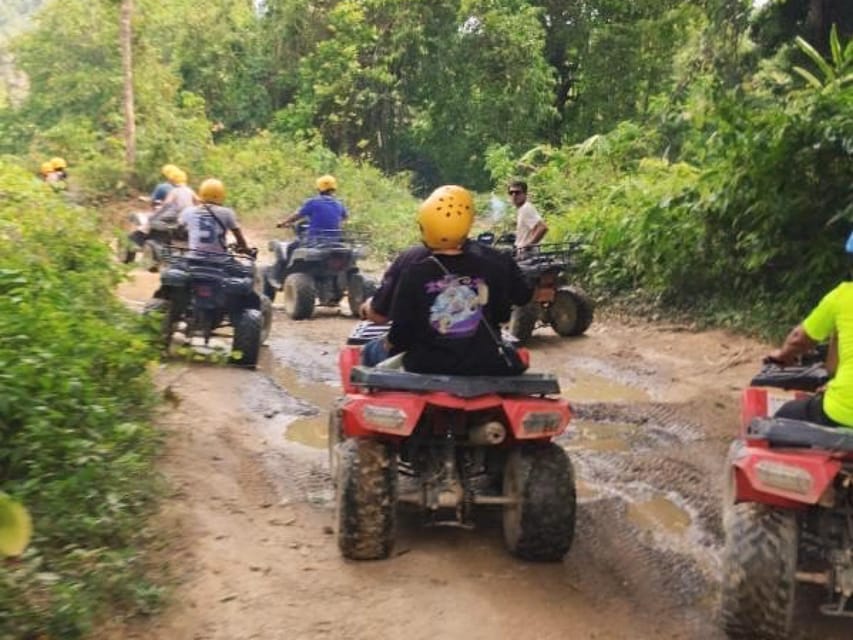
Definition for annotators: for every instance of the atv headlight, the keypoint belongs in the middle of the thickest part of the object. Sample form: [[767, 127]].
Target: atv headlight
[[384, 417], [542, 422], [784, 476]]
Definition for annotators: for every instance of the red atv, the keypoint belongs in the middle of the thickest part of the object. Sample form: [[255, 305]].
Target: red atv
[[447, 444], [788, 509]]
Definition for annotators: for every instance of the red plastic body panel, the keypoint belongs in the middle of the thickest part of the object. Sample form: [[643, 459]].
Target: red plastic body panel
[[413, 405], [349, 357], [762, 402], [822, 466]]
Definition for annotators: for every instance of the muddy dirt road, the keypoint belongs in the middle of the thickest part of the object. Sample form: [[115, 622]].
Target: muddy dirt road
[[248, 525]]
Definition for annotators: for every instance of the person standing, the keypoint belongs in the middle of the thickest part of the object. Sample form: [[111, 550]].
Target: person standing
[[530, 227]]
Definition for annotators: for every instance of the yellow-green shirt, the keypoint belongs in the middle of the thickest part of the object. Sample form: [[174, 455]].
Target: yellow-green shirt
[[835, 313]]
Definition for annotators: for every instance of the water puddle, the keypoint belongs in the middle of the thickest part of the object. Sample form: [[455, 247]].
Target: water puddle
[[590, 387], [659, 513], [320, 394], [600, 436], [311, 432]]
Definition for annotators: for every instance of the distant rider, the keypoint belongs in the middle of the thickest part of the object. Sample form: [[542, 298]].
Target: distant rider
[[163, 188], [324, 212], [530, 227], [180, 197], [450, 299], [209, 222], [832, 318]]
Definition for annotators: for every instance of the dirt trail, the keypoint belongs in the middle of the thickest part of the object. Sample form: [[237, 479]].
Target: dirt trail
[[249, 523]]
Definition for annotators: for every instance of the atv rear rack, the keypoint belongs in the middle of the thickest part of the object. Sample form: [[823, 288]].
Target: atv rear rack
[[527, 384], [783, 432]]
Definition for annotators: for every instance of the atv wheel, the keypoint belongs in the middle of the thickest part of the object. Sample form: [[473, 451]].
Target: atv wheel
[[541, 523], [247, 338], [299, 296], [571, 312], [356, 294], [266, 316], [759, 567], [150, 256], [523, 321], [336, 437], [266, 288], [366, 499], [161, 305]]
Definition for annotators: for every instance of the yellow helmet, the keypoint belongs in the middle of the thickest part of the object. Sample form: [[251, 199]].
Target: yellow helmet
[[169, 170], [178, 177], [445, 217], [58, 163], [212, 191], [46, 167], [326, 183]]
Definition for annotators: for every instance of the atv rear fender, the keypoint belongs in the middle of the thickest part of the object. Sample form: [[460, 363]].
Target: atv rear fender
[[397, 413], [785, 478], [761, 402]]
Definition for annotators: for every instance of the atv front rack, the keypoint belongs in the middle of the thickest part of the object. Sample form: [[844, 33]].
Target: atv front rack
[[527, 384], [783, 432]]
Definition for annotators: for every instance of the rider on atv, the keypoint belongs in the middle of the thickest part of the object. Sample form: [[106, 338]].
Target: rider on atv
[[450, 300], [832, 318], [209, 222]]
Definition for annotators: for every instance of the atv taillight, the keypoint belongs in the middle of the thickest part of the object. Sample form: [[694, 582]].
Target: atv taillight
[[784, 476], [542, 422], [203, 290], [384, 417], [336, 264]]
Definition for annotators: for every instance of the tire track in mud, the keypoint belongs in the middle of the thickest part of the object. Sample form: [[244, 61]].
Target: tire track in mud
[[651, 513]]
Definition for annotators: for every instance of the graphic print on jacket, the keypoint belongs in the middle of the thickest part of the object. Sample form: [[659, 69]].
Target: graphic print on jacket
[[457, 310]]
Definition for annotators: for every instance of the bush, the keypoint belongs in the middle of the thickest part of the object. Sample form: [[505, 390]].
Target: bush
[[75, 442]]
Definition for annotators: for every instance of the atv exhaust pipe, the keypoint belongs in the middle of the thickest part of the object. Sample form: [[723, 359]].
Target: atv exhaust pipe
[[487, 434]]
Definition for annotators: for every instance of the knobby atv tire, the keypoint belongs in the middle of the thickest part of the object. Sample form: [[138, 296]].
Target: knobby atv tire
[[246, 345], [266, 288], [266, 315], [335, 437], [759, 569], [356, 293], [150, 257], [541, 524], [161, 305], [299, 296], [571, 312], [523, 321], [366, 499]]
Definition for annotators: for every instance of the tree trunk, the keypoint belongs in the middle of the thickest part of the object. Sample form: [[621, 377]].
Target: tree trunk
[[126, 36]]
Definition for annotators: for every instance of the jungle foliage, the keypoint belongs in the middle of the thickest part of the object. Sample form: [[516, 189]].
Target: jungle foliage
[[703, 148], [75, 443]]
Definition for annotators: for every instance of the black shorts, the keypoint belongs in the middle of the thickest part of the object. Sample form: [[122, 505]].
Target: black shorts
[[808, 409]]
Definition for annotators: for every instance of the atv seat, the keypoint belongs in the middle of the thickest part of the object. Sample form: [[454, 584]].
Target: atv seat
[[527, 384], [783, 432]]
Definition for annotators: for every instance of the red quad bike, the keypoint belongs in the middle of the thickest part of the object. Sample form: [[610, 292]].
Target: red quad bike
[[565, 307], [788, 509], [448, 444]]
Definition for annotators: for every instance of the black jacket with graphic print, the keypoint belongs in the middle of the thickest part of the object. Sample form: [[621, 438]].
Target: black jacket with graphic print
[[441, 305]]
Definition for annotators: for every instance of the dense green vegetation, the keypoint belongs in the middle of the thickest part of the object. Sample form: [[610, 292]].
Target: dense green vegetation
[[75, 445], [703, 147]]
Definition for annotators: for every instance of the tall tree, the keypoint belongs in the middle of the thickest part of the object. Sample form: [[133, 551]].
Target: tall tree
[[126, 38]]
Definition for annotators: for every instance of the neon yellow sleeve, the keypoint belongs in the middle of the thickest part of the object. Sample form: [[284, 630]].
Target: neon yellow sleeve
[[820, 323]]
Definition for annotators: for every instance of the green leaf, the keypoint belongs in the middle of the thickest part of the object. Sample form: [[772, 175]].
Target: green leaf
[[815, 56], [809, 77]]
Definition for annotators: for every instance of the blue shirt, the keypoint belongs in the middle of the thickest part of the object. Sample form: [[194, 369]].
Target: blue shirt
[[324, 214], [160, 192]]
